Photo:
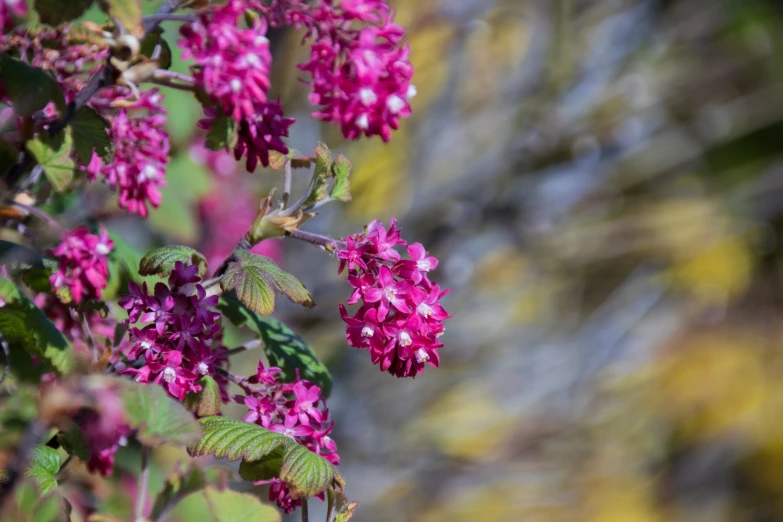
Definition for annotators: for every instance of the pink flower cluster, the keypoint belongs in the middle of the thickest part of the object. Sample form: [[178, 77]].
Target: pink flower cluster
[[232, 68], [10, 9], [359, 69], [297, 410], [182, 343], [105, 429], [138, 168], [82, 263], [400, 318]]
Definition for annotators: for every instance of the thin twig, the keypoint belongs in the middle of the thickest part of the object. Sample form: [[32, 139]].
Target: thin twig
[[88, 336], [150, 22], [49, 220], [305, 514], [236, 379], [287, 182], [315, 239], [250, 345], [172, 75], [141, 494], [169, 18]]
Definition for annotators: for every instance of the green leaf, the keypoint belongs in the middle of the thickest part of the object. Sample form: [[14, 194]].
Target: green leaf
[[26, 328], [53, 153], [44, 465], [234, 439], [252, 277], [73, 441], [232, 506], [127, 12], [28, 506], [339, 509], [207, 401], [157, 416], [56, 12], [151, 42], [222, 134], [89, 134], [29, 88], [161, 260], [177, 486], [265, 469], [319, 185], [341, 170], [282, 346], [305, 472]]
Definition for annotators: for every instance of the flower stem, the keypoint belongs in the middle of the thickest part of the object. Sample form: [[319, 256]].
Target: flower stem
[[250, 345], [287, 182], [315, 239], [88, 336], [43, 216], [305, 514], [168, 17], [141, 494]]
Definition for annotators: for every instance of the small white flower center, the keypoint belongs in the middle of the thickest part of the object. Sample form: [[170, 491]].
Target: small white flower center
[[424, 309], [390, 293], [123, 441], [288, 432], [203, 368], [146, 345], [394, 103], [405, 338], [169, 374], [363, 122], [253, 60], [441, 332], [421, 355], [102, 248], [411, 91], [424, 265], [368, 331], [306, 405], [236, 85], [261, 40], [148, 172], [367, 96]]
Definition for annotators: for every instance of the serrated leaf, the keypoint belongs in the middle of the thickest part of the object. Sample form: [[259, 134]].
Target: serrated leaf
[[30, 89], [127, 12], [232, 506], [282, 346], [306, 473], [319, 185], [252, 276], [234, 439], [207, 401], [341, 170], [27, 328], [222, 134], [264, 469], [151, 42], [56, 12], [157, 416], [177, 486], [89, 134], [43, 468], [161, 261], [53, 153], [339, 509]]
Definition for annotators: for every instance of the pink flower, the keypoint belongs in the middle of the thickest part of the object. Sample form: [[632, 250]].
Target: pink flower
[[82, 263], [400, 319], [10, 9]]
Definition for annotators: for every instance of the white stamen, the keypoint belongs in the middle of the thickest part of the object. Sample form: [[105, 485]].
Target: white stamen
[[441, 332], [146, 345], [169, 374], [405, 339], [148, 172], [367, 96], [363, 122], [306, 405], [368, 331], [236, 85], [102, 248], [411, 91], [261, 40], [123, 441], [203, 368], [424, 309], [394, 103], [421, 355], [389, 293], [253, 60], [424, 265]]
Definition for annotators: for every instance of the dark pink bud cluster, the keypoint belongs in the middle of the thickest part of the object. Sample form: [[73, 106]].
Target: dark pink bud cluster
[[82, 265], [9, 10], [138, 168], [400, 318], [359, 69], [297, 410], [105, 429], [182, 341]]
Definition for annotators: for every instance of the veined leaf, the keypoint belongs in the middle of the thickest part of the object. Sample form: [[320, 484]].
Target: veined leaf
[[89, 134], [207, 401], [29, 88], [282, 346], [161, 260], [44, 465], [306, 473], [252, 277], [341, 170], [339, 509], [222, 134], [53, 153], [319, 186]]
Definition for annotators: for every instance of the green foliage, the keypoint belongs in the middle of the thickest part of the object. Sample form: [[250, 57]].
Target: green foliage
[[319, 186], [206, 402], [26, 328], [222, 134], [56, 12], [341, 170], [161, 260], [339, 508], [28, 506], [232, 506], [127, 12], [73, 441], [151, 42], [282, 346], [89, 134], [53, 153], [306, 473], [176, 487], [28, 88], [253, 276], [158, 417], [44, 465]]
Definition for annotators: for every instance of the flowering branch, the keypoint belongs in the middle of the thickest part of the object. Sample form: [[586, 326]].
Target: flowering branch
[[250, 345], [316, 239]]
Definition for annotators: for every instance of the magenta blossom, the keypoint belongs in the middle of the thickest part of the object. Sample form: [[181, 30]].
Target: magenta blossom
[[82, 263]]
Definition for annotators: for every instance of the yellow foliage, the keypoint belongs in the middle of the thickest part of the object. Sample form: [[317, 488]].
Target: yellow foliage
[[621, 499]]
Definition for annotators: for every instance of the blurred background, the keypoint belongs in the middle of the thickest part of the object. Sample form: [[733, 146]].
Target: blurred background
[[602, 181]]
